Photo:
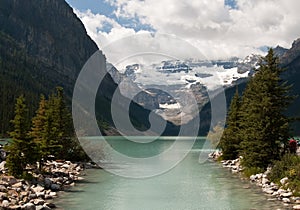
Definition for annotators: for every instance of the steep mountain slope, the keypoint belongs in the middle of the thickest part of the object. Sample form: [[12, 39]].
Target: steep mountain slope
[[43, 45]]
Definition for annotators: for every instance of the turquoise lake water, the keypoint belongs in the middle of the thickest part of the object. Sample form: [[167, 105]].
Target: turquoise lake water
[[190, 185]]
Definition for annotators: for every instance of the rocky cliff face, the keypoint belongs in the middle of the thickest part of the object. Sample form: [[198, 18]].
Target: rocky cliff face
[[43, 45], [50, 33]]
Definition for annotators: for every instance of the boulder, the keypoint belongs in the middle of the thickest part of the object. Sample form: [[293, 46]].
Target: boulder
[[286, 200], [38, 202], [53, 194], [2, 166], [269, 191], [17, 185], [3, 188], [3, 196], [259, 176], [5, 203], [253, 177], [284, 180], [55, 187], [265, 181], [66, 166], [296, 207], [50, 205], [17, 207], [29, 206], [38, 188], [40, 194], [32, 196], [286, 195], [47, 183], [45, 207]]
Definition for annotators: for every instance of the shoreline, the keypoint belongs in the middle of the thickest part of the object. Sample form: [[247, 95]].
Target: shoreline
[[42, 191], [274, 191]]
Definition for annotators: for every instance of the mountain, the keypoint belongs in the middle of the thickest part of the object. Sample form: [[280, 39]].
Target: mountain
[[43, 45], [162, 84], [289, 60]]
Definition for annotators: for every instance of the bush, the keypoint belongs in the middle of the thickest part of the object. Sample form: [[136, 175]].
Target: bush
[[252, 171], [288, 166]]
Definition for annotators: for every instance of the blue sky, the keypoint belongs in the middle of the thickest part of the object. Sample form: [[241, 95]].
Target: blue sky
[[105, 8], [220, 28]]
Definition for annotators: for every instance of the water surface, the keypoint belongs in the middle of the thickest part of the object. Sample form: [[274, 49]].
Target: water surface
[[188, 186]]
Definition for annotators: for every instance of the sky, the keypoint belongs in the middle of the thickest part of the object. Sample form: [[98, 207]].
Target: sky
[[220, 29]]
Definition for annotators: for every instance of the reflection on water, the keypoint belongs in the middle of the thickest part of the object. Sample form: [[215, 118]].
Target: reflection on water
[[190, 185]]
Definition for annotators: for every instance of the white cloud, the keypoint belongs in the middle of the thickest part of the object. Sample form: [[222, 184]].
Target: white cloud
[[217, 30]]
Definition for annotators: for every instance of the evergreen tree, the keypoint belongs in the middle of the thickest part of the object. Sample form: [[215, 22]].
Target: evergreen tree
[[264, 128], [230, 140], [22, 148], [62, 119], [38, 132]]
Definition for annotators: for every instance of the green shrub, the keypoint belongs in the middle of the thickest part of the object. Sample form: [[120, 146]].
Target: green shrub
[[288, 166], [252, 171]]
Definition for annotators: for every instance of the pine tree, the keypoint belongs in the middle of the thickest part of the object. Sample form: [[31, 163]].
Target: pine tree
[[264, 128], [62, 118], [38, 133], [22, 148], [230, 140]]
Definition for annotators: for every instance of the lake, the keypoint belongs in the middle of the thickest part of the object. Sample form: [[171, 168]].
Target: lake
[[189, 185]]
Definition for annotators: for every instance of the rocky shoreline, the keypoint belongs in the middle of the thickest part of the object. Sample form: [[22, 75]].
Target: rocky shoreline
[[275, 191], [38, 194]]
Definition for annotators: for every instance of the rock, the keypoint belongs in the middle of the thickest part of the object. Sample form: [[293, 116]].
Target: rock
[[66, 166], [55, 187], [286, 195], [5, 203], [3, 188], [2, 166], [29, 206], [13, 193], [281, 191], [23, 194], [48, 197], [45, 207], [38, 189], [40, 207], [296, 207], [78, 178], [3, 196], [265, 181], [297, 199], [32, 196], [9, 180], [50, 205], [268, 191], [54, 194], [17, 207], [40, 194], [38, 202], [253, 177], [284, 180], [17, 185], [286, 200], [47, 183]]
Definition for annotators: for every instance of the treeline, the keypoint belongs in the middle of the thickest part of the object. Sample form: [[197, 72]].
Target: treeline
[[257, 128], [49, 134]]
